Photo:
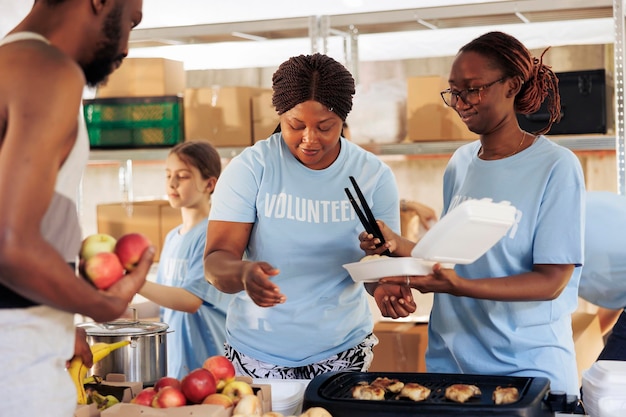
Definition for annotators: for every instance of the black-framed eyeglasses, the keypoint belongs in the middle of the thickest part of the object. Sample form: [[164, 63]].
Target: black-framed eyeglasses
[[469, 96]]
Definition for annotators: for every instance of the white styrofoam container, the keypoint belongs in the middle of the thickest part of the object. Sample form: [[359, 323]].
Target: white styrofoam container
[[287, 394], [612, 406], [460, 237], [607, 374], [604, 388]]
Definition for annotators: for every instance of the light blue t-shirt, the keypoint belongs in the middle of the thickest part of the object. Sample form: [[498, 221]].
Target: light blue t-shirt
[[195, 336], [603, 278], [527, 338], [305, 226]]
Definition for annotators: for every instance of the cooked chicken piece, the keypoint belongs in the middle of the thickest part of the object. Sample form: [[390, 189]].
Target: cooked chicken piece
[[461, 392], [505, 395], [390, 385], [415, 391], [365, 391]]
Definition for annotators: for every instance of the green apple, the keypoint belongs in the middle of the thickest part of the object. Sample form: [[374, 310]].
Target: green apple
[[96, 243]]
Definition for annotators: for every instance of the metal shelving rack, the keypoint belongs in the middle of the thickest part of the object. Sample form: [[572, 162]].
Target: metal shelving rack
[[575, 143], [319, 28], [620, 38]]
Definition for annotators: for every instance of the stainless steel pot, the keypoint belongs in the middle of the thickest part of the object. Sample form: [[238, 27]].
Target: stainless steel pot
[[143, 360]]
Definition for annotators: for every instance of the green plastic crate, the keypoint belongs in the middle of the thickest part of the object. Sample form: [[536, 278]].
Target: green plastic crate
[[134, 122]]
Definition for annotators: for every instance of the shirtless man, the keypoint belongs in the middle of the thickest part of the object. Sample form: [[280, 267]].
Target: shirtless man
[[45, 62]]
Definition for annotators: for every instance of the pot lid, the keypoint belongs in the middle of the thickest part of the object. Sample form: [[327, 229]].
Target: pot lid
[[123, 328]]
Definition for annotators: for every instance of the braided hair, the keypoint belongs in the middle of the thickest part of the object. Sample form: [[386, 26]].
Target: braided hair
[[315, 77], [515, 60]]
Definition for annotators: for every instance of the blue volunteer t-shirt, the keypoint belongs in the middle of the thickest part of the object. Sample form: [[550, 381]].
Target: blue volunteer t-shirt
[[305, 226], [603, 279], [527, 338], [193, 337]]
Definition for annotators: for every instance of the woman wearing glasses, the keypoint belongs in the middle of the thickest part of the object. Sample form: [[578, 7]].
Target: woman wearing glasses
[[508, 313]]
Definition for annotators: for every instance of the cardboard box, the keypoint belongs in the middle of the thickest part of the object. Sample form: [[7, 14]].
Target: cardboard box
[[428, 118], [154, 218], [220, 115], [401, 347], [87, 410], [588, 341], [264, 116], [114, 384], [134, 410], [145, 77]]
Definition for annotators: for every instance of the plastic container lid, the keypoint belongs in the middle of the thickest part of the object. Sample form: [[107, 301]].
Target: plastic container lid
[[466, 232]]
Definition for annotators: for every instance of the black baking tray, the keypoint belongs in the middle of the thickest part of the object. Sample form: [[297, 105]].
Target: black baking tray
[[333, 392]]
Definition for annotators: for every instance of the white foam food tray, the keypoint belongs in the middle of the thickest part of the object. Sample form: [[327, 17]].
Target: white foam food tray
[[460, 237], [372, 271]]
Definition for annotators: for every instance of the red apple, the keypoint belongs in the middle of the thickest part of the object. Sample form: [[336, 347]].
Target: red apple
[[145, 397], [221, 368], [198, 384], [166, 381], [169, 397], [103, 269], [218, 399], [129, 249], [96, 243]]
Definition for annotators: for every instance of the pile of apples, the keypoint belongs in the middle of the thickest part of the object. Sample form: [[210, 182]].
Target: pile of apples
[[104, 260], [213, 383]]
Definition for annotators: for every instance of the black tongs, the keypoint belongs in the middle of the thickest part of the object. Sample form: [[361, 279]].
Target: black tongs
[[367, 220]]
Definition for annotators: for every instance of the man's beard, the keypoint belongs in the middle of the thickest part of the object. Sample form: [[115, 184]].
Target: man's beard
[[107, 54]]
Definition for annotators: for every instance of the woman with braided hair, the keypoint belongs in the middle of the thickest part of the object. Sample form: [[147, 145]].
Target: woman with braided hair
[[508, 313], [281, 227]]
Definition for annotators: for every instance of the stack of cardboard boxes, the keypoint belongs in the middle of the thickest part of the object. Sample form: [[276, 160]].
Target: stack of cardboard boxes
[[229, 116], [225, 116]]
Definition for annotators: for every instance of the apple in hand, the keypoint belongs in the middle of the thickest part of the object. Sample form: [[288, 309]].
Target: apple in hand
[[96, 243], [129, 249], [218, 399], [103, 269], [237, 389], [198, 384], [221, 368], [145, 397], [169, 397], [166, 381]]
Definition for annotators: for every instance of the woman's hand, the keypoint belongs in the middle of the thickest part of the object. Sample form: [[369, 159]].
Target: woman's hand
[[368, 243], [397, 245], [256, 282], [394, 300], [442, 280]]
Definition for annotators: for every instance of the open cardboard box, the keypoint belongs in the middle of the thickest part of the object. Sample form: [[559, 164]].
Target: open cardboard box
[[114, 384], [263, 391]]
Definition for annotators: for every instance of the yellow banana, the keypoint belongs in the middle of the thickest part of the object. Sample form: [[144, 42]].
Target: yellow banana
[[103, 401], [78, 370], [92, 379]]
